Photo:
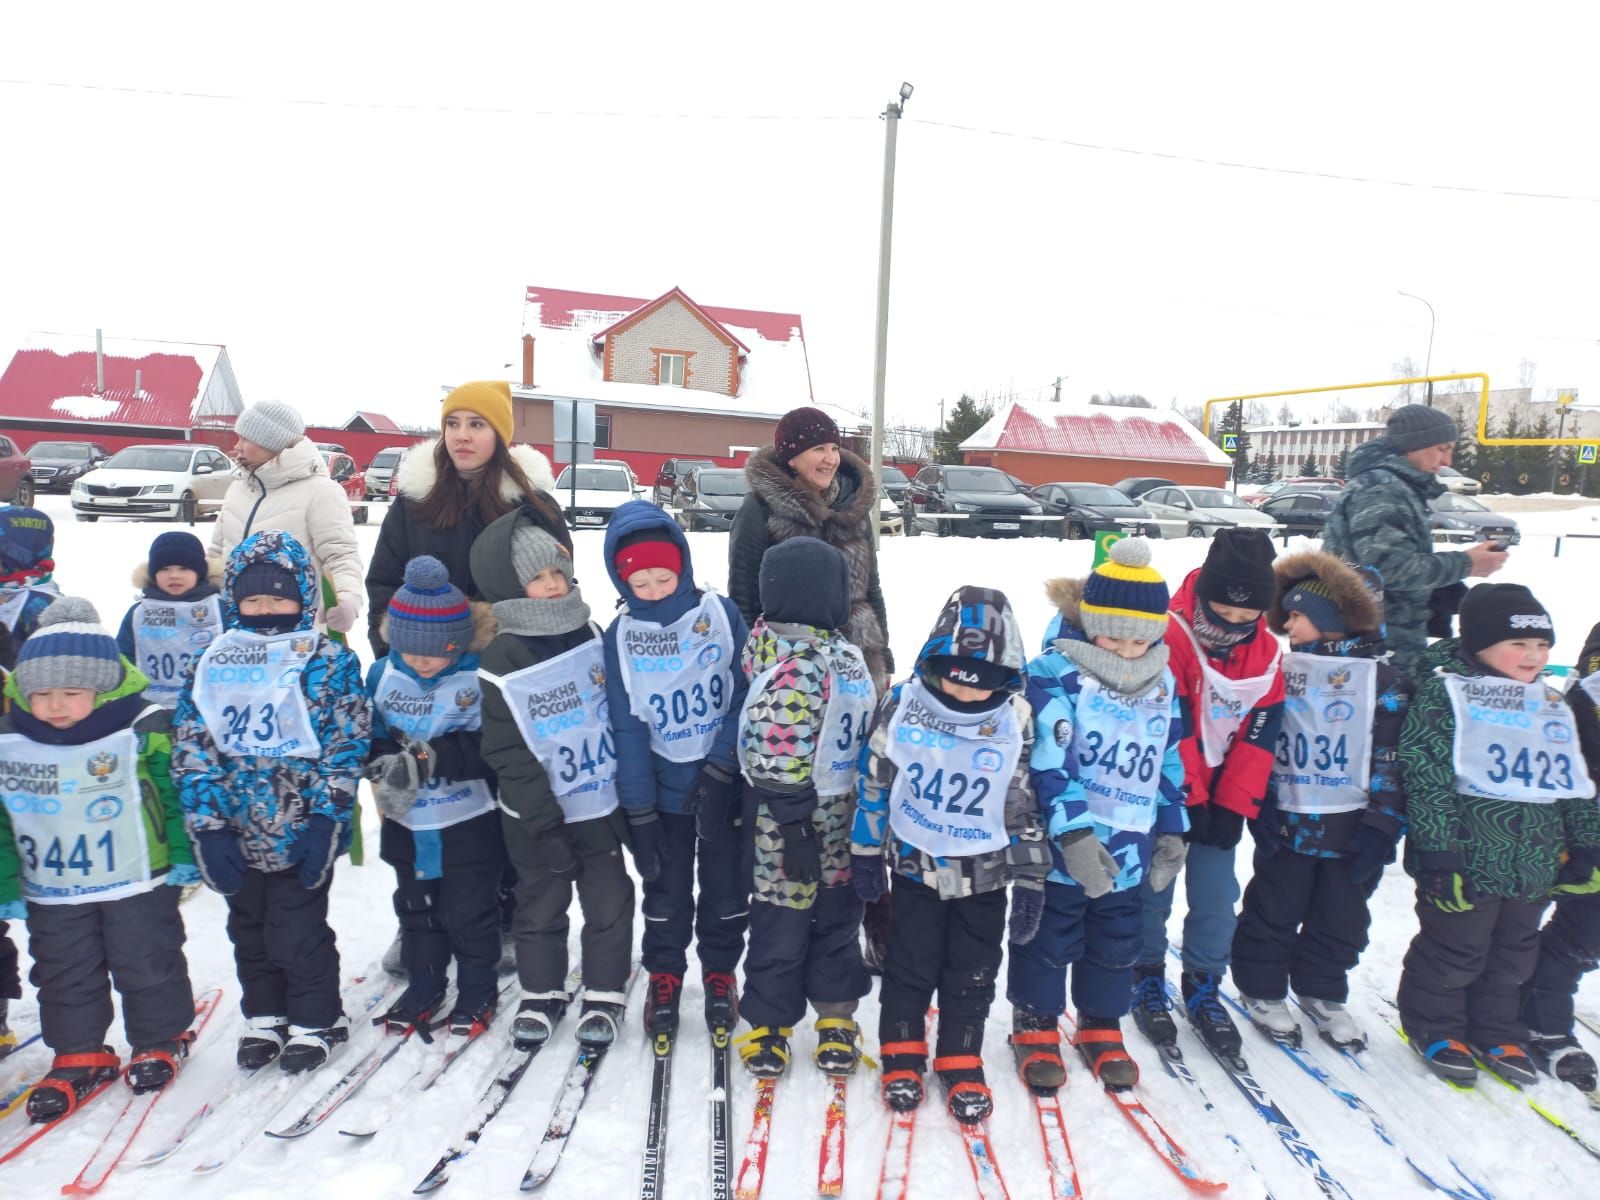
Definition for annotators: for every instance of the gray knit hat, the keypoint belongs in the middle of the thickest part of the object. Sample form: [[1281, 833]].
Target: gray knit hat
[[532, 550], [427, 614], [1416, 427], [270, 425], [69, 649], [1125, 597]]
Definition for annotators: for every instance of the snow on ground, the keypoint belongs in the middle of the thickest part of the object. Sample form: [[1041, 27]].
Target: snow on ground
[[1516, 1155]]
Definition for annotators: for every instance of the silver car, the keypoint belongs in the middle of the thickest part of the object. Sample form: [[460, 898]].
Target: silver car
[[179, 480], [1200, 511]]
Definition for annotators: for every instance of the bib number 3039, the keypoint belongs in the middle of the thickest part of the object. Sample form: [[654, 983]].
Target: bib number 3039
[[964, 797], [700, 700]]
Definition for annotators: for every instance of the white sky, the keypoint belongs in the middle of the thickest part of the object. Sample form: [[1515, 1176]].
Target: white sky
[[361, 250]]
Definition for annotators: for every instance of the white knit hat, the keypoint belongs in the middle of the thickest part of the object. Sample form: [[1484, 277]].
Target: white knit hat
[[270, 425]]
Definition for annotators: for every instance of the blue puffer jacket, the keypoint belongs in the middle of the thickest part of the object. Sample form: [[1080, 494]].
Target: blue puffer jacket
[[268, 800], [644, 780]]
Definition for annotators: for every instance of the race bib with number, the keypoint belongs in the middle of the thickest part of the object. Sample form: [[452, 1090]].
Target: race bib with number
[[247, 688], [561, 711], [77, 818], [679, 677], [1222, 703], [1118, 743], [1323, 761], [416, 710], [169, 636], [952, 771], [1515, 741]]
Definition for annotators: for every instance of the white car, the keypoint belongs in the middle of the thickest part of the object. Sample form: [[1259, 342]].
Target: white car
[[1201, 511], [891, 521], [602, 488], [179, 480], [1455, 481]]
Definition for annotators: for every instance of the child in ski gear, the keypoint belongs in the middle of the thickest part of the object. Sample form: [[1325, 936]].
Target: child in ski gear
[[1230, 683], [944, 809], [177, 617], [90, 871], [1569, 943], [804, 722], [273, 728], [1109, 780], [27, 570], [548, 740], [1335, 808], [675, 689], [442, 832], [1496, 790]]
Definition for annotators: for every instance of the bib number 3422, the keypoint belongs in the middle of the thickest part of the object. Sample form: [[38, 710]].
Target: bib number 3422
[[931, 787]]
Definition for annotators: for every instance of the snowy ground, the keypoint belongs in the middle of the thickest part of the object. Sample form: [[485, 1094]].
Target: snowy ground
[[1515, 1155]]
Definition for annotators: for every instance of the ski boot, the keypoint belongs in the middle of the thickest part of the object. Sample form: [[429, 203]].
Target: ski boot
[[764, 1051], [1036, 1042], [903, 1066], [1510, 1062], [151, 1069], [1099, 1041], [72, 1077], [1447, 1058], [262, 1042], [1334, 1024], [838, 1045], [415, 1010], [1273, 1018], [8, 1040], [1152, 1009], [307, 1049], [661, 1010], [722, 1000], [1210, 1019], [600, 1019], [965, 1093], [470, 1020], [536, 1018], [394, 964], [1560, 1055]]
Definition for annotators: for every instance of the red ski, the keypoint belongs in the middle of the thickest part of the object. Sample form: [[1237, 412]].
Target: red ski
[[894, 1179], [980, 1155], [753, 1164], [830, 1159], [1057, 1150]]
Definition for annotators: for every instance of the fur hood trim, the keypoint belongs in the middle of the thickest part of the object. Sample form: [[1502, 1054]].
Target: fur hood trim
[[484, 627], [785, 496], [417, 473], [1360, 608], [1066, 595], [141, 574]]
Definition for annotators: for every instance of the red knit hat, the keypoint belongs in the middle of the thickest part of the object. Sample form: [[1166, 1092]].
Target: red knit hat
[[647, 549]]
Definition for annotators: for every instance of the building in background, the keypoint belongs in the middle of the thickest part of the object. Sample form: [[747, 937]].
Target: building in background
[[1290, 444]]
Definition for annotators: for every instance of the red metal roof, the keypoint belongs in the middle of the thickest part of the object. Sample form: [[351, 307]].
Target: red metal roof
[[1151, 435], [377, 422], [558, 308], [44, 385]]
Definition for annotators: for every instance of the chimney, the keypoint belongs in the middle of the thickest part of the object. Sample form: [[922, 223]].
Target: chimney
[[527, 360], [99, 365], [138, 384]]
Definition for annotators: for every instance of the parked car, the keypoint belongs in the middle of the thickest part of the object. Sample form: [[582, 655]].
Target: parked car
[[1086, 509], [980, 501], [602, 488], [57, 465], [350, 477], [177, 480], [1462, 519], [891, 520], [16, 475], [1256, 496], [897, 485], [334, 447], [1201, 510], [1138, 485], [1302, 511], [383, 467], [1455, 481], [670, 473], [708, 497]]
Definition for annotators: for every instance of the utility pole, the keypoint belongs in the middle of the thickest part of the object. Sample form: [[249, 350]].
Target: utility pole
[[880, 365], [1057, 398], [1427, 367], [1563, 406]]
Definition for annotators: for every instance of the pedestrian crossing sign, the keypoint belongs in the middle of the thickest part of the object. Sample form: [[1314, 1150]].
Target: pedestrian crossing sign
[[1586, 454], [1230, 443]]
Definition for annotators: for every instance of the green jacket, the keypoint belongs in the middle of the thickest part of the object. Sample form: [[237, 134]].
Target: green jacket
[[164, 833], [1504, 847], [1381, 520]]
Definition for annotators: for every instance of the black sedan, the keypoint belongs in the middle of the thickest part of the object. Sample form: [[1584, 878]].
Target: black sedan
[[1301, 511], [708, 497], [1462, 519], [1086, 509]]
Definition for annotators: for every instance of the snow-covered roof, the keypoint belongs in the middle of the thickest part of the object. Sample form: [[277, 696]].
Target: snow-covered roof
[[1096, 431], [375, 421], [179, 384]]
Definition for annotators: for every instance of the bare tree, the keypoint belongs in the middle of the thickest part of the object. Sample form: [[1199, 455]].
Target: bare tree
[[1131, 400], [1404, 368], [1526, 370]]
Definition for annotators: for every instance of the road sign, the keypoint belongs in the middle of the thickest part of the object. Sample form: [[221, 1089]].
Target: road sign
[[573, 440], [1587, 454], [1230, 443], [1103, 541], [1567, 396]]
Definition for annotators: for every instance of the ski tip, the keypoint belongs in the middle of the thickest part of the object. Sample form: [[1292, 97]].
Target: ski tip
[[431, 1184]]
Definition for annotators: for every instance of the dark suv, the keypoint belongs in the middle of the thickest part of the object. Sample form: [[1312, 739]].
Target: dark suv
[[973, 502], [57, 465], [671, 473]]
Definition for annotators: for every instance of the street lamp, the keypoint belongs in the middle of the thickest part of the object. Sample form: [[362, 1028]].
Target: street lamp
[[880, 364], [1427, 368]]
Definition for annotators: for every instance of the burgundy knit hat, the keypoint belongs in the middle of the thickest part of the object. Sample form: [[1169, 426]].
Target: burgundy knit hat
[[800, 429]]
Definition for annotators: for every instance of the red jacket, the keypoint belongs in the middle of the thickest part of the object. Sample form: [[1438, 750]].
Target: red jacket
[[1240, 781]]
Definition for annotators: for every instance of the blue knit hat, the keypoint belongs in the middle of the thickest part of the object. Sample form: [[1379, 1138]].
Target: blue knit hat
[[27, 541], [177, 548], [70, 649], [1124, 597], [1312, 598], [429, 615]]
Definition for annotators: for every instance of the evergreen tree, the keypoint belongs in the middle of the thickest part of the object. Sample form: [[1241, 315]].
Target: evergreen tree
[[1341, 465], [966, 418], [1533, 462], [1271, 472], [1309, 466], [1465, 458], [1233, 422]]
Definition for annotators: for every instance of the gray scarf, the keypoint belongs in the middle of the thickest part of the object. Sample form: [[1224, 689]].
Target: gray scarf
[[1129, 676], [541, 618]]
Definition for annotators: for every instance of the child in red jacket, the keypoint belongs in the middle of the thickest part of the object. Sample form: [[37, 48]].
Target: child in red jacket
[[1229, 673]]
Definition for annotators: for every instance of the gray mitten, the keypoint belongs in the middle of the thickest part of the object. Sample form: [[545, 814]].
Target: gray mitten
[[1088, 862], [396, 778], [1166, 859]]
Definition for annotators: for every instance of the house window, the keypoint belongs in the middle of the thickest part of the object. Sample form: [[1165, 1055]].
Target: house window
[[669, 369], [602, 431]]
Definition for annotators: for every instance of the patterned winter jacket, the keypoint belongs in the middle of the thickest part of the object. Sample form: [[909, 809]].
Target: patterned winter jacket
[[1585, 701], [1504, 847], [1381, 520], [984, 631], [267, 801], [1054, 683], [121, 708]]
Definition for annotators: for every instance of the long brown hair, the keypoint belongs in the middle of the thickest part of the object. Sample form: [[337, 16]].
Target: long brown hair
[[454, 498]]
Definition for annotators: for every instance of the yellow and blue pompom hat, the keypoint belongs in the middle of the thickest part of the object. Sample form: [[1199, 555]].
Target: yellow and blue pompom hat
[[1125, 597]]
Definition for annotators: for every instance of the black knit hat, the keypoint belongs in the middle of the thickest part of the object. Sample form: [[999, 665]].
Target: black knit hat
[[266, 579], [177, 548], [1416, 427], [1498, 612], [807, 582], [800, 429], [1238, 570]]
